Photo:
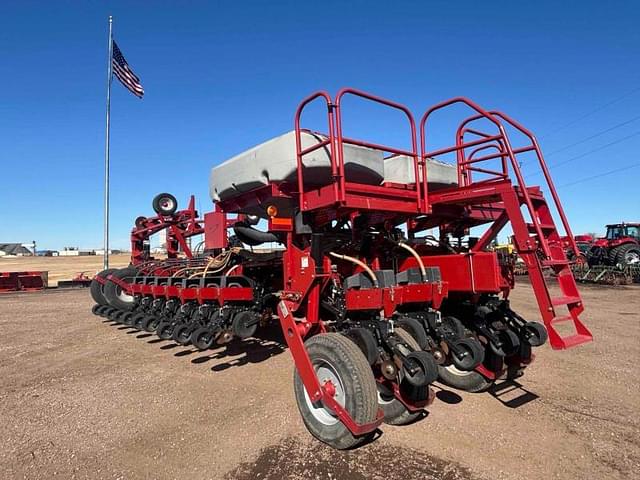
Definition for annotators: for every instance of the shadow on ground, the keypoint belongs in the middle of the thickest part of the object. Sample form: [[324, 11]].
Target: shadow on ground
[[292, 459]]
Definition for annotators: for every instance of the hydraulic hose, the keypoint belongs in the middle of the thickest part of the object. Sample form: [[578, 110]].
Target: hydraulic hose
[[252, 236], [423, 270], [360, 263]]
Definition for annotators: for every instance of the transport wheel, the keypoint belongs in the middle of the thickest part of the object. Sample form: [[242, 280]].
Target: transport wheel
[[395, 413], [202, 338], [627, 255], [117, 297], [367, 343], [165, 204], [535, 334], [182, 334], [338, 360], [165, 330], [415, 329], [473, 354], [469, 381], [97, 289], [150, 323]]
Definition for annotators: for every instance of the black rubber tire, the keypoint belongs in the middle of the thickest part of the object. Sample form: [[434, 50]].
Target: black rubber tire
[[536, 334], [474, 357], [164, 204], [622, 252], [114, 294], [366, 342], [139, 223], [471, 382], [136, 321], [182, 334], [355, 375], [107, 311], [202, 338], [428, 372], [127, 318], [415, 329], [95, 309], [165, 330], [97, 289], [114, 315], [150, 323], [453, 326], [395, 413], [244, 325]]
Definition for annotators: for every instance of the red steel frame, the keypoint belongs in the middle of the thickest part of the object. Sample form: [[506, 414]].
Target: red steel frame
[[494, 201]]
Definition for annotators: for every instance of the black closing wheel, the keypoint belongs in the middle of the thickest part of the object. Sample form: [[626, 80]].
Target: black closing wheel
[[149, 323], [202, 338], [164, 204], [420, 369], [535, 334], [415, 329], [182, 334], [338, 360], [165, 330], [97, 289], [509, 343], [115, 295], [467, 353], [244, 324]]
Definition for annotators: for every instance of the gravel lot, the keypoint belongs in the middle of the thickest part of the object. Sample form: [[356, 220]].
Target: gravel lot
[[82, 398]]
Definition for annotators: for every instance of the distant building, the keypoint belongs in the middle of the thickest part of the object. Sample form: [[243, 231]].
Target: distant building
[[14, 249]]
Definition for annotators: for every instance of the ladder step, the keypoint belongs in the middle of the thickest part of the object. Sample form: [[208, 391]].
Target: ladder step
[[565, 300], [577, 339], [545, 227], [561, 319]]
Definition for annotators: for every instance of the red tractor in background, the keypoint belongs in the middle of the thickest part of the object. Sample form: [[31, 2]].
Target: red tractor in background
[[620, 246]]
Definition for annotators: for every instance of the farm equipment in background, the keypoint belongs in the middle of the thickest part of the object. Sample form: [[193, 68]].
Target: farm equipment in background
[[372, 307], [620, 247], [23, 281], [80, 280]]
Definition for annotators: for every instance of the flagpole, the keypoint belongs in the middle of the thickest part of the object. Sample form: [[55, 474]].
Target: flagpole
[[106, 149]]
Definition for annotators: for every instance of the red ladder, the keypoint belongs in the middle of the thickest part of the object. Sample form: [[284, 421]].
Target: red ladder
[[530, 246]]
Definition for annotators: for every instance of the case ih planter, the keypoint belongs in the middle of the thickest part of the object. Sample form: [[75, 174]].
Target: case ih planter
[[373, 309]]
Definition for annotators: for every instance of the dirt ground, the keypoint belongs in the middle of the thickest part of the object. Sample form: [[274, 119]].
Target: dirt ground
[[82, 398], [62, 268]]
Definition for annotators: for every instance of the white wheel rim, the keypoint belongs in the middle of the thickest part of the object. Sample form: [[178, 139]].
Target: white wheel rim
[[456, 371], [123, 296], [166, 204], [326, 372], [381, 398]]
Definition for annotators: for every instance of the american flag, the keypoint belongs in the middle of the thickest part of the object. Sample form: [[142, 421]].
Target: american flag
[[124, 73]]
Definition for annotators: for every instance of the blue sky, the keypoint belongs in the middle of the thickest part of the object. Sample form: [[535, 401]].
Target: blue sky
[[221, 77]]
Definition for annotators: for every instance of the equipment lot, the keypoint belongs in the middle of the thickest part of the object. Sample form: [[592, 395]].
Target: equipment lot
[[83, 398]]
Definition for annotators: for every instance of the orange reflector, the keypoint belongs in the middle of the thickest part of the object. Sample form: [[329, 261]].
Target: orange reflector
[[282, 221], [272, 210]]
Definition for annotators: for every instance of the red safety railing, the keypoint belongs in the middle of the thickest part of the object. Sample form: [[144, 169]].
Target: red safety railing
[[336, 141], [467, 165]]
